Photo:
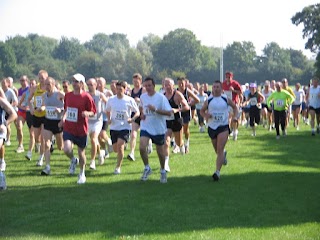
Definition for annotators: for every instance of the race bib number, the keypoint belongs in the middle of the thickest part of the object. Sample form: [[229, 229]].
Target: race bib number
[[229, 94], [218, 117], [51, 113], [72, 114], [280, 103], [253, 101], [38, 101], [120, 115], [148, 111]]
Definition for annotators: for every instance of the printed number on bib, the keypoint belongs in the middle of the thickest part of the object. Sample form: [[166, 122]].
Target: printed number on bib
[[218, 117], [280, 103], [120, 116], [38, 101], [253, 101], [72, 114], [51, 113]]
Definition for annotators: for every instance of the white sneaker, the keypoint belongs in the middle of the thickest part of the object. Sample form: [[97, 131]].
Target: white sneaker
[[8, 143], [235, 135], [163, 177], [73, 164], [110, 148], [93, 164], [298, 128], [28, 156], [146, 173], [278, 137], [39, 162], [2, 166], [131, 157], [176, 149], [117, 171], [20, 149], [3, 184], [81, 179], [46, 171], [101, 159], [183, 150], [149, 148], [166, 166]]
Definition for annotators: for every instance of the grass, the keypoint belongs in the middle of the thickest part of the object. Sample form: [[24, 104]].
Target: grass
[[269, 190]]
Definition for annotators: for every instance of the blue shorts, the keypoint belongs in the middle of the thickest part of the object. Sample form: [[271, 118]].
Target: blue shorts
[[156, 139], [81, 142]]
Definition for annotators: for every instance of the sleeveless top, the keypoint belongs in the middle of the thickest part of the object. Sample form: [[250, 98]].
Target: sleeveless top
[[37, 101], [52, 102], [98, 102], [218, 109], [174, 105], [253, 100]]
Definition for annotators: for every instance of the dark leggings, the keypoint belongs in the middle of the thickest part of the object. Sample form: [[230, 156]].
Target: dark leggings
[[280, 118]]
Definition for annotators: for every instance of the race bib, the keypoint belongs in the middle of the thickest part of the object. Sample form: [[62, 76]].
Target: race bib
[[218, 117], [38, 101], [120, 115], [280, 103], [253, 101], [72, 114], [51, 113]]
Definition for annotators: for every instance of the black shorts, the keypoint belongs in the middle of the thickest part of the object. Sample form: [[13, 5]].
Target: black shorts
[[37, 121], [52, 126], [317, 110], [175, 125], [213, 134], [263, 105], [137, 121], [122, 134], [186, 117], [80, 141], [29, 119], [294, 107]]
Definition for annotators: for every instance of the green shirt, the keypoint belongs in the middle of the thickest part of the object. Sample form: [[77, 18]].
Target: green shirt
[[281, 100]]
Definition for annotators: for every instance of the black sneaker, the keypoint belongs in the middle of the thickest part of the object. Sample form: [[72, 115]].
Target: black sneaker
[[215, 177]]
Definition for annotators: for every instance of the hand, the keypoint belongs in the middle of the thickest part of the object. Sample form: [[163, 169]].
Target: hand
[[130, 120], [231, 89], [151, 108]]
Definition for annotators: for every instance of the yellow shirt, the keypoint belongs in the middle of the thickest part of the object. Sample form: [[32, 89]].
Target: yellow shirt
[[37, 101]]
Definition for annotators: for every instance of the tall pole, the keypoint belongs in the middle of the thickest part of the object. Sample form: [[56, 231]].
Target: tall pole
[[221, 58]]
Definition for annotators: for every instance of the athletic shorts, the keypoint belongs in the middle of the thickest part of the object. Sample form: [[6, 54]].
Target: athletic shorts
[[122, 134], [29, 119], [317, 110], [105, 125], [52, 126], [95, 127], [175, 125], [37, 121], [137, 120], [294, 107], [156, 139], [80, 141], [186, 117], [213, 134], [22, 114]]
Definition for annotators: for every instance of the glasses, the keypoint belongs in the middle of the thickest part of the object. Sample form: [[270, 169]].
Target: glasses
[[65, 86]]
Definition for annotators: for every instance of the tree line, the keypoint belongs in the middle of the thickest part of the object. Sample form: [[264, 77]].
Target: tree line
[[177, 54]]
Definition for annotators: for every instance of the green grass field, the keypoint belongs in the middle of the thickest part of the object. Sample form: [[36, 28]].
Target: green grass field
[[269, 190]]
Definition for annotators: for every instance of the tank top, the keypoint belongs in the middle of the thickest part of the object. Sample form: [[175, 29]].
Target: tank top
[[138, 94], [52, 102], [98, 102], [174, 105], [37, 101], [21, 91], [254, 99], [218, 109], [185, 94]]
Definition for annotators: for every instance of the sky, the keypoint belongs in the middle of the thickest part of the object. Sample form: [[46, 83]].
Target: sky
[[214, 23]]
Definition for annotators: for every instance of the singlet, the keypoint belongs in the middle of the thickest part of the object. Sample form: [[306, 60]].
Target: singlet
[[21, 91], [314, 100], [218, 109], [253, 99], [37, 101], [98, 102], [174, 105], [52, 102]]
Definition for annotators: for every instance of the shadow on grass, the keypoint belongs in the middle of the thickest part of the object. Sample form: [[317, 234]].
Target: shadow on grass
[[250, 200]]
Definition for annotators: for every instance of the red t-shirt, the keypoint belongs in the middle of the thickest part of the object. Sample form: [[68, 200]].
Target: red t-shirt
[[226, 89], [75, 104]]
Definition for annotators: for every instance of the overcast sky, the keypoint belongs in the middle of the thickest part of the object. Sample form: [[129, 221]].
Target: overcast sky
[[260, 22]]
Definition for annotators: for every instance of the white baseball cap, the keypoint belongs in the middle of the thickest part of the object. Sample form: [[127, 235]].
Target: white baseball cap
[[79, 77]]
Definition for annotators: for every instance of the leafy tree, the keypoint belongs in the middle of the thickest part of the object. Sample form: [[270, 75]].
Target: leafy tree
[[8, 62], [309, 16], [89, 64], [22, 48], [42, 45], [178, 51], [136, 62], [99, 43], [68, 49]]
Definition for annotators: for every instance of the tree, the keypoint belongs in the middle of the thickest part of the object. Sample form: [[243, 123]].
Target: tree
[[68, 50], [99, 43], [8, 62], [178, 51], [22, 48], [309, 16]]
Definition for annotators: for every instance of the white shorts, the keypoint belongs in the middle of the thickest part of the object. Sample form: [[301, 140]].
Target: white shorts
[[95, 127]]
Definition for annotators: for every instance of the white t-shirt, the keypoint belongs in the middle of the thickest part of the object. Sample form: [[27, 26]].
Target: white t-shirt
[[154, 124], [120, 110], [299, 97], [314, 100], [218, 109]]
